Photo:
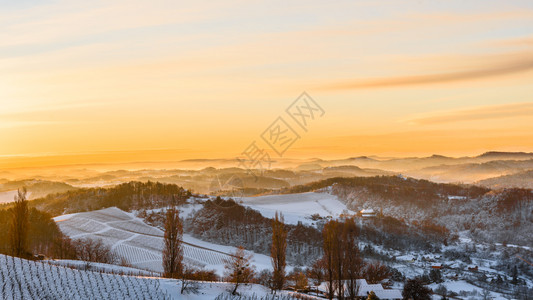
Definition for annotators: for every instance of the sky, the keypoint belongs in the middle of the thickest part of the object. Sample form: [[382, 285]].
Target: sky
[[113, 81]]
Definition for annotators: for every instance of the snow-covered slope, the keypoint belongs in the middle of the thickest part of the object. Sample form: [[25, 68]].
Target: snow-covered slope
[[141, 245], [297, 207], [23, 279]]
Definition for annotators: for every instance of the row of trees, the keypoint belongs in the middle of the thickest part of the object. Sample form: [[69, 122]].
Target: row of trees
[[340, 265], [341, 261]]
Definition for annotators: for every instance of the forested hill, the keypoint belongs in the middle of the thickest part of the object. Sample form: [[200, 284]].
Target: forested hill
[[397, 189], [229, 223], [36, 188], [504, 215], [126, 196]]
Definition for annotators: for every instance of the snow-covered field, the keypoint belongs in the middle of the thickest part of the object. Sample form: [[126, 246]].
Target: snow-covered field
[[141, 245], [297, 207]]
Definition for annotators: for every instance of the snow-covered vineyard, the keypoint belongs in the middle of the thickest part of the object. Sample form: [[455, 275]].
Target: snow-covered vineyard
[[23, 279], [26, 279], [141, 245]]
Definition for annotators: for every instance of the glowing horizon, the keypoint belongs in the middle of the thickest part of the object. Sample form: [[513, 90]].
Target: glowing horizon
[[105, 82]]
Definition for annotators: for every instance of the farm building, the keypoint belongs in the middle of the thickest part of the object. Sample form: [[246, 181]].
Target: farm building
[[436, 266], [368, 213]]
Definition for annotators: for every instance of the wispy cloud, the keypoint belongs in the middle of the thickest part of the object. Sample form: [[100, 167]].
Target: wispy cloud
[[479, 113], [508, 67]]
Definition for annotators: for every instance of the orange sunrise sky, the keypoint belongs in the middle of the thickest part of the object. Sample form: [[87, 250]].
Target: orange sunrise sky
[[108, 81]]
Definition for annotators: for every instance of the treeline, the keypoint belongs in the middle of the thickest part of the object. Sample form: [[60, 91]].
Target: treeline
[[514, 199], [32, 234], [421, 193], [395, 234], [43, 235], [126, 196], [227, 222]]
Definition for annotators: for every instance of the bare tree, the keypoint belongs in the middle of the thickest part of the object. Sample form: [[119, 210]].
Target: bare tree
[[316, 272], [352, 259], [375, 272], [187, 282], [330, 245], [173, 251], [338, 258], [238, 268], [94, 250], [278, 251], [415, 289], [20, 224], [486, 294], [341, 261]]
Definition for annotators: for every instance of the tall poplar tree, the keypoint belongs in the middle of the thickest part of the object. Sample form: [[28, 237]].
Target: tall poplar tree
[[173, 251], [19, 225], [278, 251]]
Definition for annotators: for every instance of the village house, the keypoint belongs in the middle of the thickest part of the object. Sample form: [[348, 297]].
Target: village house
[[368, 213]]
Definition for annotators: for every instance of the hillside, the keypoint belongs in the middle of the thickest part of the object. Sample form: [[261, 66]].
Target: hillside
[[504, 216], [141, 245], [24, 279], [518, 180], [126, 196], [471, 172], [36, 188]]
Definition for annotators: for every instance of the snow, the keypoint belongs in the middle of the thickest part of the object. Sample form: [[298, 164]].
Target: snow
[[364, 288], [99, 267], [457, 197], [141, 245], [297, 207], [513, 246], [461, 285], [23, 279], [185, 210], [210, 290], [406, 258], [63, 217], [7, 197]]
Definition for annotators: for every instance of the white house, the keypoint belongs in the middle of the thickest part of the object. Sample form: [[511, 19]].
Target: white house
[[368, 213], [364, 288]]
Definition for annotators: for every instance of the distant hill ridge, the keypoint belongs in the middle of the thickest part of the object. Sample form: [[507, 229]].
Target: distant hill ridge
[[499, 155]]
